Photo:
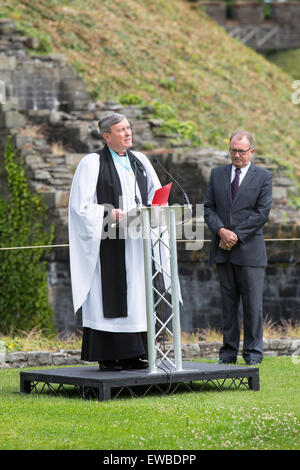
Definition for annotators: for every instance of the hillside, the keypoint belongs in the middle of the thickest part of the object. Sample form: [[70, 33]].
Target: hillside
[[289, 61], [171, 53]]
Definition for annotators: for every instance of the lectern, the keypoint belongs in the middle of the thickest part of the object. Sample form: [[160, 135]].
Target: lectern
[[159, 235]]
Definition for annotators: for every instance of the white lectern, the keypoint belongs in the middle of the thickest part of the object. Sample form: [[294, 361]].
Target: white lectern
[[159, 233]]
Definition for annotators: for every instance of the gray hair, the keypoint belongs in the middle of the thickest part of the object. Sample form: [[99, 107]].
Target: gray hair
[[109, 120], [242, 134]]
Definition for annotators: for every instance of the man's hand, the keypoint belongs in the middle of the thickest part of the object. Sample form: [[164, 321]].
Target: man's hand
[[228, 238], [117, 214]]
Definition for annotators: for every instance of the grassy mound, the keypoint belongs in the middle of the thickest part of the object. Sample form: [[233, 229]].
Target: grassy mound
[[171, 53]]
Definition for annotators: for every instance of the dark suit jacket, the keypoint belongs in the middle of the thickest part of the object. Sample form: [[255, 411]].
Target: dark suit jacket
[[245, 216]]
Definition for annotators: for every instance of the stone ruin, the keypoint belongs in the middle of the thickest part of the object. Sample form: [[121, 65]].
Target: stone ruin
[[53, 123], [264, 26]]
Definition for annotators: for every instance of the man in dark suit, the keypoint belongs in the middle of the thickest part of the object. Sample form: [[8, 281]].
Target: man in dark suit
[[237, 204]]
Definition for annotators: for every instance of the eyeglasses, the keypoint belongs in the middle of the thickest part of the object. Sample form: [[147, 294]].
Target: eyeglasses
[[241, 152]]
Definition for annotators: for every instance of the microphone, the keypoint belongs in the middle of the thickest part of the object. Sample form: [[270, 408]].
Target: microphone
[[176, 182]]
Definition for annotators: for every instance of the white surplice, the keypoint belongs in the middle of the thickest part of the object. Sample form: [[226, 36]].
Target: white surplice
[[85, 227]]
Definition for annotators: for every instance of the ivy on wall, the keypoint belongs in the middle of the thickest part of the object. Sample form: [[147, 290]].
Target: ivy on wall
[[24, 302]]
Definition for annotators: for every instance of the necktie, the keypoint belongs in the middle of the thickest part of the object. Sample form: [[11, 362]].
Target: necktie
[[235, 183]]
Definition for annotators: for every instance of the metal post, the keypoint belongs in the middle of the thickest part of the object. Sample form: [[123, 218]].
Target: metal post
[[175, 290], [149, 291]]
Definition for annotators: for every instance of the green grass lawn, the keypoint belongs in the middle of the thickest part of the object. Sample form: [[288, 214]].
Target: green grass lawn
[[235, 419]]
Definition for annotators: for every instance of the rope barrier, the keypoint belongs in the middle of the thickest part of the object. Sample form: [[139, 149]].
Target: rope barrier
[[266, 240], [178, 241], [30, 247]]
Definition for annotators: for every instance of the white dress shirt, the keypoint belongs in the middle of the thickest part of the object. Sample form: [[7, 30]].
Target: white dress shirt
[[242, 174]]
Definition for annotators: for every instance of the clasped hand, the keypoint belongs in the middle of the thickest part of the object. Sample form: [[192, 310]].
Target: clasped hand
[[117, 214], [228, 238]]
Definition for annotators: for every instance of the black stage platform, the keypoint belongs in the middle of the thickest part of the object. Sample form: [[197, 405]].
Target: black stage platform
[[89, 382]]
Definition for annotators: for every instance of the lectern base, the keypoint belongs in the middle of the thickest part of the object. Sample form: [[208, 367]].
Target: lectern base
[[90, 382]]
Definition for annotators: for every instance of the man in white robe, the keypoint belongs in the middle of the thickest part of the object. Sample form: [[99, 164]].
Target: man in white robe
[[108, 275]]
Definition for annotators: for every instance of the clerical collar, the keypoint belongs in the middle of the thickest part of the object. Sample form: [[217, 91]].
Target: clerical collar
[[122, 159], [113, 152]]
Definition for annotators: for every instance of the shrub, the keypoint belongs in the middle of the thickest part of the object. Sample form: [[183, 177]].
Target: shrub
[[181, 130], [129, 99], [24, 302]]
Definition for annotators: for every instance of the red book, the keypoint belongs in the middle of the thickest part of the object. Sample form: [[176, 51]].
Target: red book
[[161, 195]]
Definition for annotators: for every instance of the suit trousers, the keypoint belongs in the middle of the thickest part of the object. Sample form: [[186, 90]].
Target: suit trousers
[[241, 284]]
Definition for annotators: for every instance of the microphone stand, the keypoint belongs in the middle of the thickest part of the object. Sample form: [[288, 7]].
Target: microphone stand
[[173, 179]]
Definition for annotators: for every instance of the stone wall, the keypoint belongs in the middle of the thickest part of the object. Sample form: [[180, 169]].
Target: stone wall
[[251, 12], [54, 135], [37, 81], [272, 347], [248, 21]]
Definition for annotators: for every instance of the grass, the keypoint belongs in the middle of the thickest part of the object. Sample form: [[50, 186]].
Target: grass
[[271, 330], [171, 53], [37, 340], [289, 61], [237, 419]]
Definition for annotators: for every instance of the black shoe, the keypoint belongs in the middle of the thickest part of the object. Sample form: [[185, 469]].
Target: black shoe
[[110, 366], [135, 363], [222, 361], [252, 362]]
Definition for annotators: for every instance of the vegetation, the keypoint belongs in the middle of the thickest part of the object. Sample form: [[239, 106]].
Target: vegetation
[[171, 53], [36, 340], [23, 275], [208, 419], [271, 330], [289, 61]]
